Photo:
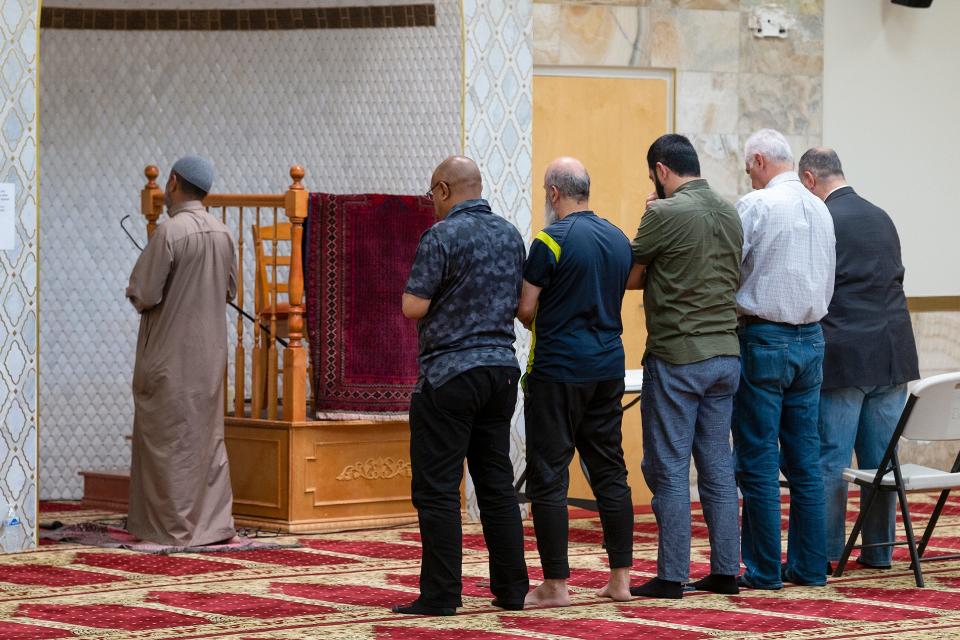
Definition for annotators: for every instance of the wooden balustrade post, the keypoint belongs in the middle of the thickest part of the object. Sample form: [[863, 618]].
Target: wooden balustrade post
[[294, 355], [151, 198]]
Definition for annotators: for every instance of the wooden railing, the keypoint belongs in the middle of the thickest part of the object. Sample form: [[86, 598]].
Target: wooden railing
[[267, 398]]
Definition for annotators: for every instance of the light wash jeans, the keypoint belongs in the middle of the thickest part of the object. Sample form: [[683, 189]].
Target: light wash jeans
[[776, 407], [860, 419], [686, 410]]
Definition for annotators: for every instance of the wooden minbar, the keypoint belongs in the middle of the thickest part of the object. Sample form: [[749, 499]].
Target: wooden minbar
[[290, 472]]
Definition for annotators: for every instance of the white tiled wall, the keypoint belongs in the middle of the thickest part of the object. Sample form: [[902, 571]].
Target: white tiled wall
[[497, 120], [362, 110], [18, 270]]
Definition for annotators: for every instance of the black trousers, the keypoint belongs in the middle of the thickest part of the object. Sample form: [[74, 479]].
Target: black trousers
[[561, 417], [466, 418]]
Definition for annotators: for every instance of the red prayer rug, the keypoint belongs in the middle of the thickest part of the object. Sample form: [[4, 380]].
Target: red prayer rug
[[341, 585], [358, 253]]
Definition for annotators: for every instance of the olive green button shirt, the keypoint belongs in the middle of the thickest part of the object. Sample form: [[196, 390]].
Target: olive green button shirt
[[691, 244]]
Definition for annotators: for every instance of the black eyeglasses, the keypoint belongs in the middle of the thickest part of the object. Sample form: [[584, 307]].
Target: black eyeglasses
[[430, 191]]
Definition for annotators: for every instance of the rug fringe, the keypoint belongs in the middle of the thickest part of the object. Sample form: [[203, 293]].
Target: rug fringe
[[363, 415]]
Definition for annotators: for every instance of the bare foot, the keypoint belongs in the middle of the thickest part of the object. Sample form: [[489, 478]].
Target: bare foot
[[618, 587], [552, 593]]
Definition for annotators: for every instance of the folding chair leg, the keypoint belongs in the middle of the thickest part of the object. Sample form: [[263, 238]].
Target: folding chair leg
[[911, 542], [857, 526], [928, 532]]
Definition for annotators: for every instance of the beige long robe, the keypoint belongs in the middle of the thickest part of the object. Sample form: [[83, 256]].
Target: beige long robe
[[180, 490]]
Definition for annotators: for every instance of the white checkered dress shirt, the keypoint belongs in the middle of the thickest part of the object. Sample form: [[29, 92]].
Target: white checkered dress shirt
[[789, 253]]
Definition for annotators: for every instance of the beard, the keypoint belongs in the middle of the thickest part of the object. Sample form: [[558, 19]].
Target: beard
[[166, 200], [661, 193], [549, 213]]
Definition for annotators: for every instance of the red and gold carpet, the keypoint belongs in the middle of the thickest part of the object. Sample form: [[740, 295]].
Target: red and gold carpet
[[340, 585]]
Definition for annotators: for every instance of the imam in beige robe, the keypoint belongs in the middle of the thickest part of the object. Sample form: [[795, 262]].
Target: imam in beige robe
[[180, 490]]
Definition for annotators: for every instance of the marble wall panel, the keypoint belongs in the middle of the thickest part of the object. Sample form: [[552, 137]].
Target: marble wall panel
[[546, 33], [791, 104], [707, 102], [938, 341], [617, 36], [711, 5], [800, 53], [695, 40], [719, 161], [796, 7], [716, 5]]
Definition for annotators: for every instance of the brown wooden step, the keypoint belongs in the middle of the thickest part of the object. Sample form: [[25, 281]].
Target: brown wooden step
[[106, 489]]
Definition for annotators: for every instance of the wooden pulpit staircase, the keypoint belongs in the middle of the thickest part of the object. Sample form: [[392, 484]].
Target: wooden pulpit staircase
[[289, 472]]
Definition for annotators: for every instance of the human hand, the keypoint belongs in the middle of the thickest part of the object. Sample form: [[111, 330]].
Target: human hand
[[651, 197]]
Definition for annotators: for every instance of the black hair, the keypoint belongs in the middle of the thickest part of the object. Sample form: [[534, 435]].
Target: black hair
[[675, 152]]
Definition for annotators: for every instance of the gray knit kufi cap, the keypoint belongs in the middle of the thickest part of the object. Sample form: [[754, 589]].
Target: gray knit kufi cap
[[195, 170]]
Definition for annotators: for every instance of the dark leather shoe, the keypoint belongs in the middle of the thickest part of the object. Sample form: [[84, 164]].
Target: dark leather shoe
[[417, 608]]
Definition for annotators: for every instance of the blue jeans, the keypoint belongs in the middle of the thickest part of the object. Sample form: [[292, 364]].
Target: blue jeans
[[860, 419], [778, 401], [686, 410]]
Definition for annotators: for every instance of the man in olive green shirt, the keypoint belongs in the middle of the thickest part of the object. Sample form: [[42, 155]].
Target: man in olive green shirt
[[687, 258]]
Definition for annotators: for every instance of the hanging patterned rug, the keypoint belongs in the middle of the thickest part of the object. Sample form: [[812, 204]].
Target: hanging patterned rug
[[358, 253], [341, 585]]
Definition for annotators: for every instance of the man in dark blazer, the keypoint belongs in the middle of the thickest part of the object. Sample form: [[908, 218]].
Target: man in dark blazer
[[870, 352]]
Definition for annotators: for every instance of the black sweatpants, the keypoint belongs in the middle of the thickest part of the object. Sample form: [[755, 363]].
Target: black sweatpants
[[585, 416], [468, 418]]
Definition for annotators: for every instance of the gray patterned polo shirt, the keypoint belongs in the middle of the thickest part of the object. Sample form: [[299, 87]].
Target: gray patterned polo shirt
[[470, 266]]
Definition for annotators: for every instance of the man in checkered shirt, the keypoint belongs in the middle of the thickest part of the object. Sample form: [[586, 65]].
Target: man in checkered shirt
[[786, 282]]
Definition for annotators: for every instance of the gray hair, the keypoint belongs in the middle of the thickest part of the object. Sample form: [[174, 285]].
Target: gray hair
[[769, 143], [822, 162], [571, 183]]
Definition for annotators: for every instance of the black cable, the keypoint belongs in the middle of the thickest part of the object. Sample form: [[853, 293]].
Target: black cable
[[239, 310]]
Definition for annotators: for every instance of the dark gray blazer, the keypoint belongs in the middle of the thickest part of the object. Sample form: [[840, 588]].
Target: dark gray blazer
[[869, 338]]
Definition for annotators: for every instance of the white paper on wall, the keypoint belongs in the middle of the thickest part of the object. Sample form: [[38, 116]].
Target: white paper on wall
[[8, 217]]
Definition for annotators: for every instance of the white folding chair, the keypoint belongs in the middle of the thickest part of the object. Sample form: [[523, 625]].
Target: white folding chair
[[932, 412]]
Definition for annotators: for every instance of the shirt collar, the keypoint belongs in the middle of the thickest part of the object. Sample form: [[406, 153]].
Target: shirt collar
[[477, 203], [786, 176], [195, 205], [585, 212], [835, 189], [699, 183]]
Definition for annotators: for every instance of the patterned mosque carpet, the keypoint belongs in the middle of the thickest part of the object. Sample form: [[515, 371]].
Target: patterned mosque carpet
[[340, 585]]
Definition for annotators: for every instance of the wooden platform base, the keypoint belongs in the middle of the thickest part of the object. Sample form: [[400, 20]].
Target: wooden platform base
[[321, 526], [106, 489], [319, 475], [301, 477]]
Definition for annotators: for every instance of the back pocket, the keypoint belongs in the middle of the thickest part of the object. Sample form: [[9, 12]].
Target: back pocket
[[765, 363]]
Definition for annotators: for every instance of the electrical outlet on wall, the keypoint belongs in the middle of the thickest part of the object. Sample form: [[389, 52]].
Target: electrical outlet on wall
[[770, 22]]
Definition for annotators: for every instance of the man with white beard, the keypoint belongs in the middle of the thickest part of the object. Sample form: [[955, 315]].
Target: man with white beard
[[573, 285]]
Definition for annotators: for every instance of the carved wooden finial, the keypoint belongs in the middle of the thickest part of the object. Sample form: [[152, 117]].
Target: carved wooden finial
[[152, 172], [297, 172]]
